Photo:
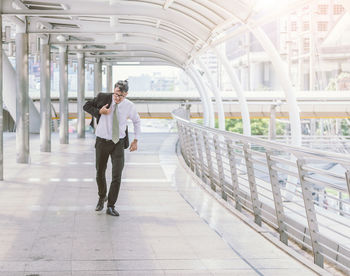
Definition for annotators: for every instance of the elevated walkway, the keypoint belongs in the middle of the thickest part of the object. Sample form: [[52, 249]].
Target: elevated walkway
[[169, 225]]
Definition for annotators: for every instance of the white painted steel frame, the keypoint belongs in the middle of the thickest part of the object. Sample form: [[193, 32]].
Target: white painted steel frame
[[63, 87], [238, 88], [1, 109], [81, 95], [45, 96], [216, 92], [22, 98], [190, 72], [205, 94]]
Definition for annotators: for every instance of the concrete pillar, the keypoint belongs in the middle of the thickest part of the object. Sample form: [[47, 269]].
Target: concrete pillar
[[63, 68], [22, 97], [45, 97], [1, 111], [97, 77], [109, 78], [81, 95]]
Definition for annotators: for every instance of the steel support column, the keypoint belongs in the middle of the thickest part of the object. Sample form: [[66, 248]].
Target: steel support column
[[109, 78], [81, 95], [22, 98], [237, 87], [45, 97], [64, 135], [1, 110], [216, 92], [97, 76]]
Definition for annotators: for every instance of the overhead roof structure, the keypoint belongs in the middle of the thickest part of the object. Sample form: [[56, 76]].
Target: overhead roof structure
[[146, 31]]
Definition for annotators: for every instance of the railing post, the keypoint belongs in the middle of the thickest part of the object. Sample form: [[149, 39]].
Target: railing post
[[182, 141], [252, 185], [234, 177], [310, 214], [190, 148], [200, 154], [277, 198], [194, 150], [209, 161], [347, 176], [220, 166]]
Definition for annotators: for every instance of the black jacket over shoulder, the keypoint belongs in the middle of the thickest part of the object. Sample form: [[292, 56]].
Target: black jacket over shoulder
[[93, 107]]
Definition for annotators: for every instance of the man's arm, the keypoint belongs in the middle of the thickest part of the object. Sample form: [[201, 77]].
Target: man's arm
[[91, 107], [135, 118]]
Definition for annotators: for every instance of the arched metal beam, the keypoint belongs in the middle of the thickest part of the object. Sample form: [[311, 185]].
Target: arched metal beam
[[206, 95], [216, 92], [240, 94], [283, 76], [175, 17], [177, 54], [133, 57], [190, 72]]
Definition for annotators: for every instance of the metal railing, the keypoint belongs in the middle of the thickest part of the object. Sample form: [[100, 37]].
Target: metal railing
[[334, 143], [302, 193]]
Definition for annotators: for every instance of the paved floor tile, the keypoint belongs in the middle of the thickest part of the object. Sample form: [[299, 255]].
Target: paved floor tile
[[168, 225]]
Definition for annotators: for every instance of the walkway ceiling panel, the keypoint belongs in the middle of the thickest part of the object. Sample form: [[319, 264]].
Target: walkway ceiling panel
[[107, 40], [156, 60], [180, 27], [239, 8], [124, 8], [133, 50], [101, 25], [172, 50], [132, 38]]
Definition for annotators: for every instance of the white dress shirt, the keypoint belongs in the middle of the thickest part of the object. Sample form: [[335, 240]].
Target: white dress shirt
[[126, 110]]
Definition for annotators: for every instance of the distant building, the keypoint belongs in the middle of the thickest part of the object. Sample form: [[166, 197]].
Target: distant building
[[297, 37], [140, 83]]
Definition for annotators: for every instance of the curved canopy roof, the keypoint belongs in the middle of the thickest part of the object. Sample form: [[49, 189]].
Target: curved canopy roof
[[147, 31]]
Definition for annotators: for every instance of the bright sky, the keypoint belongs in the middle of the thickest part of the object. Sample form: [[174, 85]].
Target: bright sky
[[124, 72]]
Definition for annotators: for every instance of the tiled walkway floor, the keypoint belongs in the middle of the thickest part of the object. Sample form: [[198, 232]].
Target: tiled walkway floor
[[168, 225]]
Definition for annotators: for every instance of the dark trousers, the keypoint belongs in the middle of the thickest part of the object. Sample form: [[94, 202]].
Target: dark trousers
[[104, 149]]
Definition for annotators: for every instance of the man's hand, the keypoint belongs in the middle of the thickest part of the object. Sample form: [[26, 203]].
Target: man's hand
[[133, 145], [104, 110]]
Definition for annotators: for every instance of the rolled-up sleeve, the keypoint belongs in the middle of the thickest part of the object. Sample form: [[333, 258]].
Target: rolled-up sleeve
[[135, 118]]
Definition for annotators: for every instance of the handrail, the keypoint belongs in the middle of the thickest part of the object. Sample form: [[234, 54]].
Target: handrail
[[303, 193], [272, 144]]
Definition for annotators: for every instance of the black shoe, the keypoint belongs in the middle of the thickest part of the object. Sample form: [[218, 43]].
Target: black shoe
[[111, 211], [100, 204]]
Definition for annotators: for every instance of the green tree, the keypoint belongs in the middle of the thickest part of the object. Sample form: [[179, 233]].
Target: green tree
[[234, 125], [259, 126]]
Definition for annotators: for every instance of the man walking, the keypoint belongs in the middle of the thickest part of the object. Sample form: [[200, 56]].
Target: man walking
[[112, 111]]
